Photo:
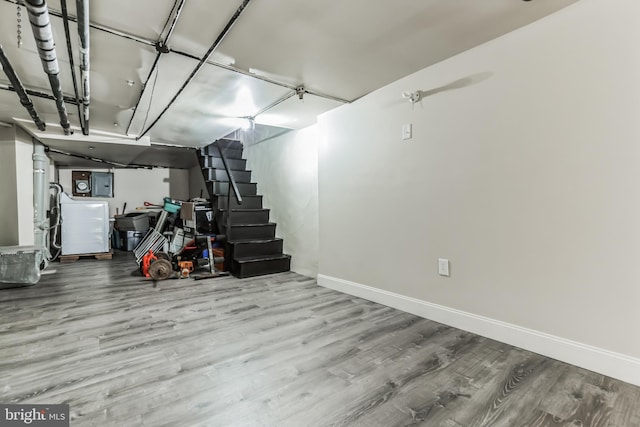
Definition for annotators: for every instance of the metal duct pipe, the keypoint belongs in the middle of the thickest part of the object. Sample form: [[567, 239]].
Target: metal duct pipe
[[20, 90], [41, 27], [82, 7]]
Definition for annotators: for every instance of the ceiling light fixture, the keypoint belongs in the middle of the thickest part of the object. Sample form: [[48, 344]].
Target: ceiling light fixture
[[116, 124], [248, 123], [413, 97], [130, 83], [92, 147], [300, 91]]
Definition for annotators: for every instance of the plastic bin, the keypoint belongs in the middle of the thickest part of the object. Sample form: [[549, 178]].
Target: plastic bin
[[20, 265], [171, 206], [133, 222], [131, 239]]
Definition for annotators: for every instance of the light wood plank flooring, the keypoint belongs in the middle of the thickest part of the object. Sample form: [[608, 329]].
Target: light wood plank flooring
[[272, 351]]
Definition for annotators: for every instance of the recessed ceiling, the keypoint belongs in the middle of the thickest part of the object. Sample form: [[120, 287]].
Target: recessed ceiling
[[338, 51]]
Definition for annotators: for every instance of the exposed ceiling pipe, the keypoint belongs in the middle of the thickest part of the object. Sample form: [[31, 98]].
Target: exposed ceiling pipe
[[82, 6], [20, 90], [201, 63], [149, 42], [161, 47], [39, 94], [41, 27], [67, 36]]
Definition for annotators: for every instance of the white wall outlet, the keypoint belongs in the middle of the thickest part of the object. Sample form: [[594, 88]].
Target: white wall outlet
[[443, 267], [407, 131]]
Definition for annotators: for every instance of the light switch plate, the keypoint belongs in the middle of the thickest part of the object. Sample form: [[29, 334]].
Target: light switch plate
[[443, 267], [407, 131]]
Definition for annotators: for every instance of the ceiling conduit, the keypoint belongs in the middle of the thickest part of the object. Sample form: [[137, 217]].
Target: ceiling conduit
[[67, 36], [148, 42], [82, 7], [201, 63], [38, 94], [20, 90], [41, 27], [161, 47]]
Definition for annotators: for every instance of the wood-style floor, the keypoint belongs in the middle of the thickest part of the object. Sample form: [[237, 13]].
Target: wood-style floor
[[272, 351]]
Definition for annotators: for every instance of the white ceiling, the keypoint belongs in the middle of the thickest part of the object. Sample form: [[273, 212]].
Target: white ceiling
[[338, 50]]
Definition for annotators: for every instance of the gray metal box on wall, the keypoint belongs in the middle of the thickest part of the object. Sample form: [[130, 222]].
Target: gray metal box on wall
[[101, 184]]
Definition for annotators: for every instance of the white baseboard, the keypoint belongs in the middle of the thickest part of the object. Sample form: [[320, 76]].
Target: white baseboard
[[615, 365]]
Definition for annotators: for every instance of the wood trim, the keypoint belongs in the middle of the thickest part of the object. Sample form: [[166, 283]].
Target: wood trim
[[615, 365]]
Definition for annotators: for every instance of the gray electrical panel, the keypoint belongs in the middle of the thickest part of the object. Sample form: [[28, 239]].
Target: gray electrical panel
[[101, 184]]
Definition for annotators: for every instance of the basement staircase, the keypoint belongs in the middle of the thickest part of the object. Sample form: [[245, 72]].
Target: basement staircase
[[252, 248]]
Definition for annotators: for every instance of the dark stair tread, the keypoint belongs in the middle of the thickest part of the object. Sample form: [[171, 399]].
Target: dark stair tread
[[209, 162], [244, 209], [260, 224], [258, 258], [233, 197], [254, 240]]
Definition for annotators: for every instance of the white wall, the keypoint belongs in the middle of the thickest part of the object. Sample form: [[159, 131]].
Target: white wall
[[524, 175], [16, 188], [136, 186], [286, 170], [9, 235], [197, 186]]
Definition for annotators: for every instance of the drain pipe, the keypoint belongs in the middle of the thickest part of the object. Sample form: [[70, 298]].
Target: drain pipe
[[82, 7], [40, 190], [41, 27], [20, 90]]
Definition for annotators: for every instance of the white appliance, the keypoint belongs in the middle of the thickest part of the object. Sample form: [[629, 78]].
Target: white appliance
[[85, 226]]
